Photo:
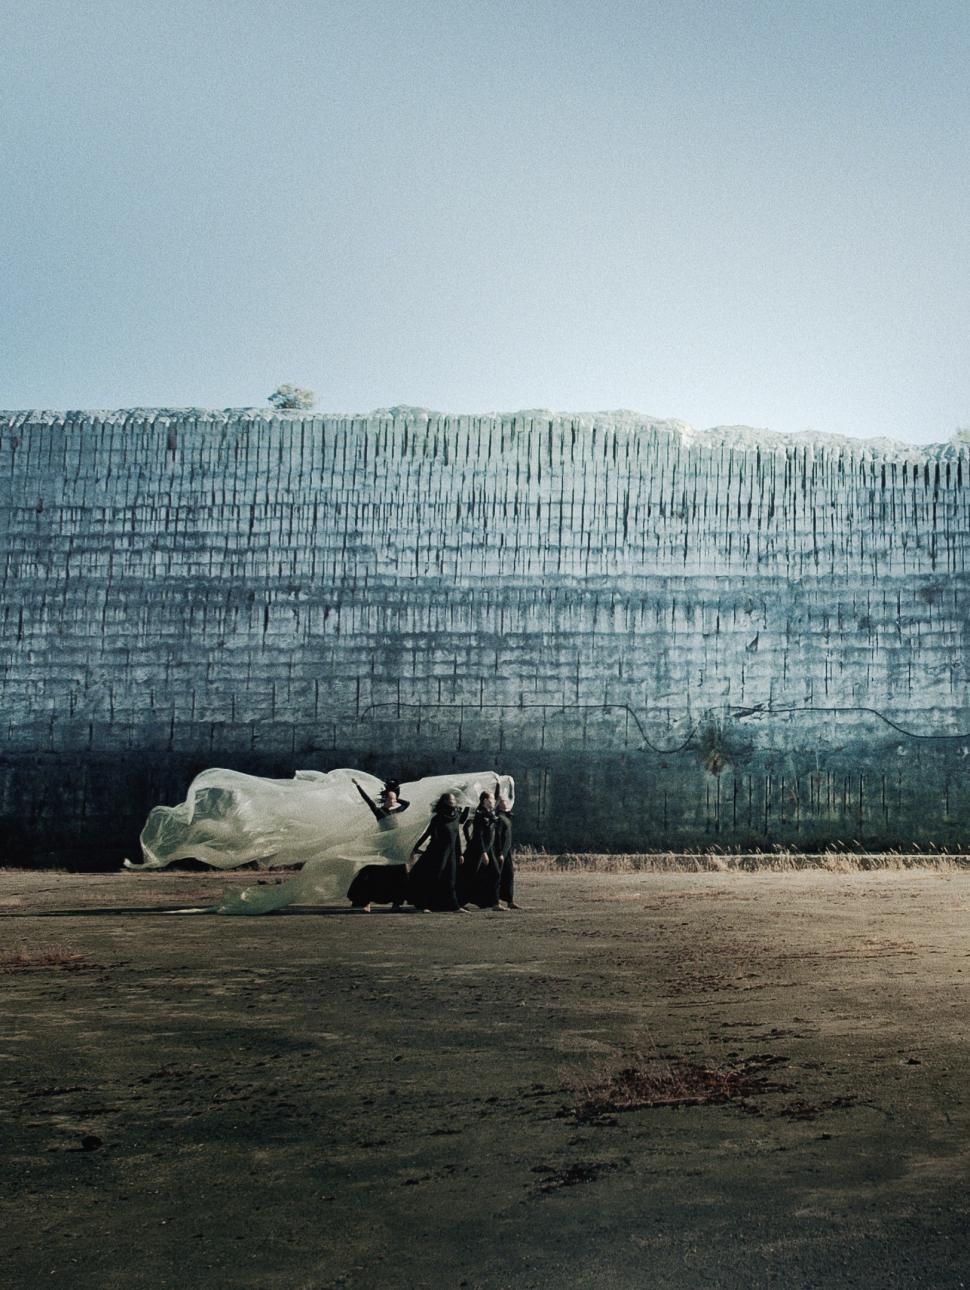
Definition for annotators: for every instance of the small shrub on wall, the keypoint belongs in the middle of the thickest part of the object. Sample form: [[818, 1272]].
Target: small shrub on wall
[[291, 398]]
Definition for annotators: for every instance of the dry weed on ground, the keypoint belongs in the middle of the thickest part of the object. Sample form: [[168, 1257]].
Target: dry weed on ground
[[658, 1081], [64, 957], [740, 862]]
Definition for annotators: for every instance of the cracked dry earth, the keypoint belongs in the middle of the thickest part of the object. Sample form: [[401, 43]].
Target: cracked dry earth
[[319, 1099]]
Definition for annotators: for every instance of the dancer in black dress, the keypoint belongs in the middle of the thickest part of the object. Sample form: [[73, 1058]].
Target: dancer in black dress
[[503, 850], [382, 884], [431, 882], [479, 878]]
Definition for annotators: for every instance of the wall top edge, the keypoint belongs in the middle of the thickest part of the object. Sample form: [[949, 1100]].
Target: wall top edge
[[742, 438]]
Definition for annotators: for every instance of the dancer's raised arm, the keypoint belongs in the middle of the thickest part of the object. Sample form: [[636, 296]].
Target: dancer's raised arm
[[377, 811]]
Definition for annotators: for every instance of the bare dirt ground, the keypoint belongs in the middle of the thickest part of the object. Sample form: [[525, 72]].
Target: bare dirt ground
[[319, 1099]]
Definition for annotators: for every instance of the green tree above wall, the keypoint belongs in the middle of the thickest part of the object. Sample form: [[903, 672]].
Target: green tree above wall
[[292, 398]]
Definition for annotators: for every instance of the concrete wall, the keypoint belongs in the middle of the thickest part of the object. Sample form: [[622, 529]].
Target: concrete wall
[[670, 639]]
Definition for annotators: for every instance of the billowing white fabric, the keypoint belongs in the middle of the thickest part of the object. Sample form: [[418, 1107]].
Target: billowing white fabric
[[317, 820]]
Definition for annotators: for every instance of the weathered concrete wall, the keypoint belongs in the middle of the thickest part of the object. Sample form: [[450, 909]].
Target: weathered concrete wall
[[670, 639]]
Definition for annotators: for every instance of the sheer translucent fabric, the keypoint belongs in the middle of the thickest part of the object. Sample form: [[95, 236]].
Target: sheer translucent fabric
[[317, 820]]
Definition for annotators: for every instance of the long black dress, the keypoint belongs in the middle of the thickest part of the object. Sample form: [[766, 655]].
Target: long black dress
[[479, 879], [503, 851], [379, 884], [431, 882]]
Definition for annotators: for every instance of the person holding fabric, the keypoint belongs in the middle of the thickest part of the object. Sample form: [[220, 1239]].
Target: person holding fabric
[[382, 884], [479, 878], [431, 882], [390, 803], [503, 850]]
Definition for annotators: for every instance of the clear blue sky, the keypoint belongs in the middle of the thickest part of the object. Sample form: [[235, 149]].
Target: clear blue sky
[[730, 211]]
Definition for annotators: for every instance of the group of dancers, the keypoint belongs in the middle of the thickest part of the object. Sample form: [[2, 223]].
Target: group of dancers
[[463, 858]]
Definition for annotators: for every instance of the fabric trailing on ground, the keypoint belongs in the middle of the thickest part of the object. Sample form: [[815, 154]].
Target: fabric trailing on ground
[[317, 820]]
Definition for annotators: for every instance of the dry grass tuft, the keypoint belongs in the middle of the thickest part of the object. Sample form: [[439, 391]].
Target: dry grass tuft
[[658, 1081], [63, 957], [779, 861], [33, 869]]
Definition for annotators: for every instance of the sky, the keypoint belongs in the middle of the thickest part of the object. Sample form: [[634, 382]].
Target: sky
[[729, 211]]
